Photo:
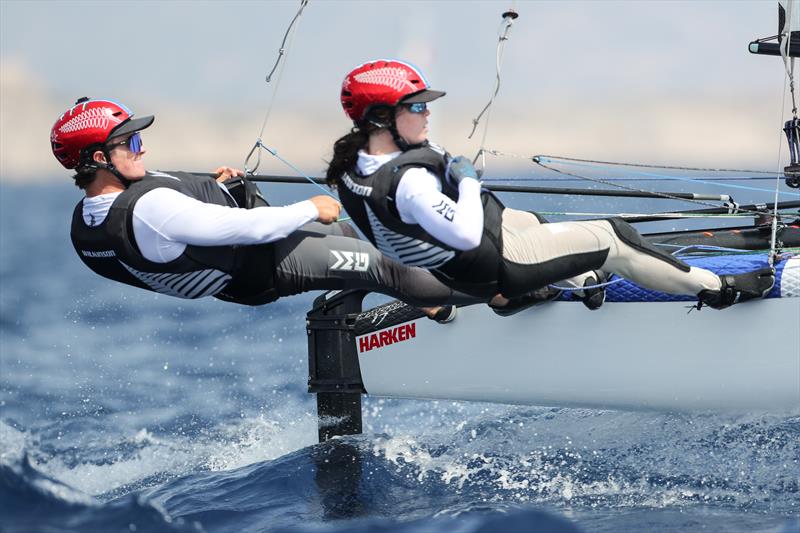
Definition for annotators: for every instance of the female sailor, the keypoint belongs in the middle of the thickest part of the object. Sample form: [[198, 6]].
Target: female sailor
[[186, 235], [423, 208]]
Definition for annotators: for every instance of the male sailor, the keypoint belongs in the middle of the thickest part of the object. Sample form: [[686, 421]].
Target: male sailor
[[424, 208], [186, 236]]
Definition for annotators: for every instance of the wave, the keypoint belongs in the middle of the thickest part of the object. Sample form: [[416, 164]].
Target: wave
[[33, 501], [504, 467], [611, 459], [108, 464]]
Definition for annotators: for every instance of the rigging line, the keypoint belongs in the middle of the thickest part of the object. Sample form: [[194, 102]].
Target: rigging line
[[767, 39], [788, 61], [701, 247], [789, 67], [769, 174], [503, 36], [611, 281], [654, 193], [728, 208], [311, 180], [662, 215], [634, 189], [643, 165], [663, 178], [633, 219], [693, 180], [303, 4], [282, 54], [604, 182], [758, 211]]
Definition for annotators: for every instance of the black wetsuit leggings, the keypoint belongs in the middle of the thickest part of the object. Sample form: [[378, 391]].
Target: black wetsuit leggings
[[332, 257]]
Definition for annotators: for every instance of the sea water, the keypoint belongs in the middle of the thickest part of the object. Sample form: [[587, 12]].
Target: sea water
[[123, 410]]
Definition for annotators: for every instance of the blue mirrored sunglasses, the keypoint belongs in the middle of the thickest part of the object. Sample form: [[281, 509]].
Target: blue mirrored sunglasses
[[419, 107], [132, 143]]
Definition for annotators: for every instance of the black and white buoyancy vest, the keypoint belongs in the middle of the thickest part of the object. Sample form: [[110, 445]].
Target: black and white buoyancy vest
[[241, 274], [370, 202]]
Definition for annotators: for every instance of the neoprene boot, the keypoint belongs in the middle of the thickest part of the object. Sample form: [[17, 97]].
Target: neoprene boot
[[445, 314], [739, 288], [519, 303], [594, 297]]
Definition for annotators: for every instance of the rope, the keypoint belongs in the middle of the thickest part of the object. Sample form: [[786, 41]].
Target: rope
[[789, 67], [660, 194], [664, 215], [303, 4], [694, 180], [643, 165], [616, 279], [503, 36], [325, 191], [788, 62], [682, 249], [655, 177], [651, 177], [636, 189], [299, 172], [536, 160], [282, 54]]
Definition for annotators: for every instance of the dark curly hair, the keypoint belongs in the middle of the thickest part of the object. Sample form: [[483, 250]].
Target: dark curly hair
[[345, 149]]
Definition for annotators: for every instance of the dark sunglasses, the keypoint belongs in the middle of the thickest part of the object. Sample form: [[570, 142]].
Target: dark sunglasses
[[419, 107], [132, 143]]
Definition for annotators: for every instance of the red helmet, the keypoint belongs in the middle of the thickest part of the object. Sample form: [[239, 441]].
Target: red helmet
[[91, 123], [384, 82]]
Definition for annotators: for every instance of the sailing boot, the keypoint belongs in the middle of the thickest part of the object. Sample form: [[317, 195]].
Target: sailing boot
[[520, 303], [738, 288], [445, 314], [594, 297]]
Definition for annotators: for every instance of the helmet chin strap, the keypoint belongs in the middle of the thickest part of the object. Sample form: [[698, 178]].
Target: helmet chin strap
[[391, 125], [111, 168], [401, 143], [89, 165]]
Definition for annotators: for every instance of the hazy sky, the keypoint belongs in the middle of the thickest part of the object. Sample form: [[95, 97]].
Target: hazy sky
[[661, 81]]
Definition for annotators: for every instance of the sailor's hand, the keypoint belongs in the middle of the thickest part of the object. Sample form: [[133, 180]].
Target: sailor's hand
[[226, 173], [328, 208], [460, 168]]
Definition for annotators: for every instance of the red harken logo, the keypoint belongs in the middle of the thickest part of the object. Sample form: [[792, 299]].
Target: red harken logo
[[388, 336]]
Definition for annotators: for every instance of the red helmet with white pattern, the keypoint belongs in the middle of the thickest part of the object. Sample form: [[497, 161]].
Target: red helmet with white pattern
[[384, 82], [89, 124]]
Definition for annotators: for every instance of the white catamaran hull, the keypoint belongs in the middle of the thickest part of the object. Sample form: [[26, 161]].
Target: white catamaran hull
[[629, 355]]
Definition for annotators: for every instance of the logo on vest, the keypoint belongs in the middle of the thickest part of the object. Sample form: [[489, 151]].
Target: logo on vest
[[103, 253], [361, 190], [354, 261], [159, 174], [387, 337]]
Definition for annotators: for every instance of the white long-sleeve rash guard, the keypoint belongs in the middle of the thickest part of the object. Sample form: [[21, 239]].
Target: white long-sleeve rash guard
[[420, 201], [166, 221]]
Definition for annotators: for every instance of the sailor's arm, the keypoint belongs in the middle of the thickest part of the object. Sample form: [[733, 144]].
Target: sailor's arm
[[457, 224], [327, 207], [179, 218]]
